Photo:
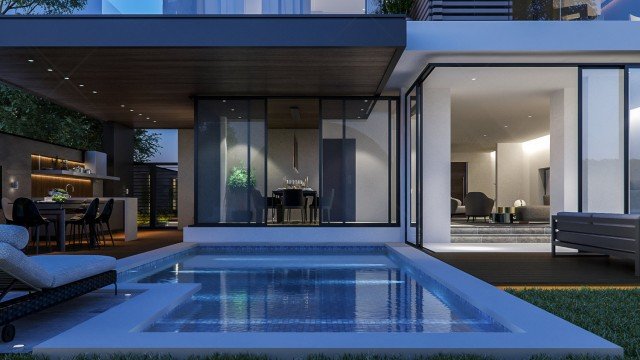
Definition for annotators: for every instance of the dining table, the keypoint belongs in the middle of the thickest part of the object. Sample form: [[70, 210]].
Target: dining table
[[58, 211], [279, 192]]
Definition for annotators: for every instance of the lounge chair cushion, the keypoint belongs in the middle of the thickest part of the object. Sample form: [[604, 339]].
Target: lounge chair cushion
[[16, 236], [66, 269], [20, 266]]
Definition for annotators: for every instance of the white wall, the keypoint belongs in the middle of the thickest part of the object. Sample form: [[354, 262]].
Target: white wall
[[481, 171], [518, 174], [436, 136], [564, 147]]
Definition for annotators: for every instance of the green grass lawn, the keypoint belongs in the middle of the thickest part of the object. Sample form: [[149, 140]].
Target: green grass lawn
[[612, 314]]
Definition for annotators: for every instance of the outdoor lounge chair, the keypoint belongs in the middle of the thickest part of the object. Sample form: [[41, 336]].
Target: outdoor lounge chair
[[48, 279]]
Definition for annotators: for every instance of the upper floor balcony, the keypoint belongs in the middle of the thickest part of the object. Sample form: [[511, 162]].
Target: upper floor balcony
[[216, 7], [563, 10]]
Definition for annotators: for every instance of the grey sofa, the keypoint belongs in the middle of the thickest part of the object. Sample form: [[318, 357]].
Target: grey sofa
[[477, 204]]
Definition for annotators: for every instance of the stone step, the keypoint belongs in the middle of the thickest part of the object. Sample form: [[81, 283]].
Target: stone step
[[492, 238], [500, 230]]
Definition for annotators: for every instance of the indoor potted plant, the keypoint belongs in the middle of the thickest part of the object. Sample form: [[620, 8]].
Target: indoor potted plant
[[240, 183]]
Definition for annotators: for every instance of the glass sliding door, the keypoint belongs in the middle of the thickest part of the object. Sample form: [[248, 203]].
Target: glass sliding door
[[359, 161], [230, 153], [603, 143], [634, 140]]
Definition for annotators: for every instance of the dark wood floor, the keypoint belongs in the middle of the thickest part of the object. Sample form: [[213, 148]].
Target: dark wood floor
[[147, 240], [522, 269], [501, 269]]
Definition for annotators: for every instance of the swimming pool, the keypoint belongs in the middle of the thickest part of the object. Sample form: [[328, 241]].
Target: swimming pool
[[310, 290], [291, 300]]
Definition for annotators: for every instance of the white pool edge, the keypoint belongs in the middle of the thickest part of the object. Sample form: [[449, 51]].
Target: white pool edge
[[536, 331]]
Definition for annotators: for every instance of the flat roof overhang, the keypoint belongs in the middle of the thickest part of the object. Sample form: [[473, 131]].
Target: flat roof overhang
[[154, 65]]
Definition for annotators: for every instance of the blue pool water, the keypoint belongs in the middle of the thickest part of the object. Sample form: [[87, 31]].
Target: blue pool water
[[307, 291]]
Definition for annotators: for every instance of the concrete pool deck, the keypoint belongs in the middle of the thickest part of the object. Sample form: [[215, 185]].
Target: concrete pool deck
[[533, 331]]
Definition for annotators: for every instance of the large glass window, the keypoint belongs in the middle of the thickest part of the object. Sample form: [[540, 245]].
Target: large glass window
[[328, 162], [359, 175], [603, 140], [634, 141], [230, 136]]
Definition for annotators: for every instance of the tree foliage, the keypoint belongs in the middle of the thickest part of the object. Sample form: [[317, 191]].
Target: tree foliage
[[145, 145], [24, 114], [394, 6], [25, 7]]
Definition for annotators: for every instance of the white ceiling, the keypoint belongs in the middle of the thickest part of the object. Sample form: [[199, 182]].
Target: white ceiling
[[501, 105]]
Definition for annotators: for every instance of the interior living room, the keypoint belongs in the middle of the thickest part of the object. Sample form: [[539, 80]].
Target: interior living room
[[500, 151]]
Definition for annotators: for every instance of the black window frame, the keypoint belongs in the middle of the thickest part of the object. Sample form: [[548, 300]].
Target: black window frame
[[393, 224]]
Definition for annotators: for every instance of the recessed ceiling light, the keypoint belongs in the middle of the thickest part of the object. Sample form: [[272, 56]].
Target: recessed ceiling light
[[233, 109], [49, 70], [95, 92], [30, 60], [485, 135], [154, 121], [473, 79], [224, 101], [529, 116], [81, 85], [122, 105], [366, 101], [131, 110], [148, 118], [139, 114], [506, 126], [359, 117], [66, 78], [361, 109]]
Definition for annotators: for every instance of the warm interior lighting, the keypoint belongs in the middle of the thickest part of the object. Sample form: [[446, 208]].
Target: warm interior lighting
[[634, 116], [48, 159], [65, 178], [536, 145]]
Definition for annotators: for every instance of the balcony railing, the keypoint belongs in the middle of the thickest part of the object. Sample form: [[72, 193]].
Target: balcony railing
[[565, 10]]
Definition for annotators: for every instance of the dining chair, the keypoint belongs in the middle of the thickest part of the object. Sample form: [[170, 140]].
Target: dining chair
[[294, 199], [88, 219], [7, 210], [326, 204], [25, 213], [103, 220]]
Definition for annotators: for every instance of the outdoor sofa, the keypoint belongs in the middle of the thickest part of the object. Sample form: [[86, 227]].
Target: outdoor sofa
[[47, 279], [609, 234]]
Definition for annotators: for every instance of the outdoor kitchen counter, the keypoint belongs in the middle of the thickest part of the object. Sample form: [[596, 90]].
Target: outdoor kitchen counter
[[124, 216]]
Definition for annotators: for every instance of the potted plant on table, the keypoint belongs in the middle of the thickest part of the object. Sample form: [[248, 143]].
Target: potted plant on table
[[240, 183]]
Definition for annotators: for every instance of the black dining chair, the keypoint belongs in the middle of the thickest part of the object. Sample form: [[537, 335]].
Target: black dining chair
[[326, 204], [294, 199], [25, 213], [102, 220], [88, 219]]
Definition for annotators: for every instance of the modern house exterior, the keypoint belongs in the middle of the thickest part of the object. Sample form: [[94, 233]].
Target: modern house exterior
[[352, 107]]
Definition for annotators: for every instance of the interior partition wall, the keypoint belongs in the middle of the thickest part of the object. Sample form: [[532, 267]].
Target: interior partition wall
[[358, 148], [602, 140]]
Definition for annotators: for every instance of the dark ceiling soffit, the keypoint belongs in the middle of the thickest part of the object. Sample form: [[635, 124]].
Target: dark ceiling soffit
[[203, 31]]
